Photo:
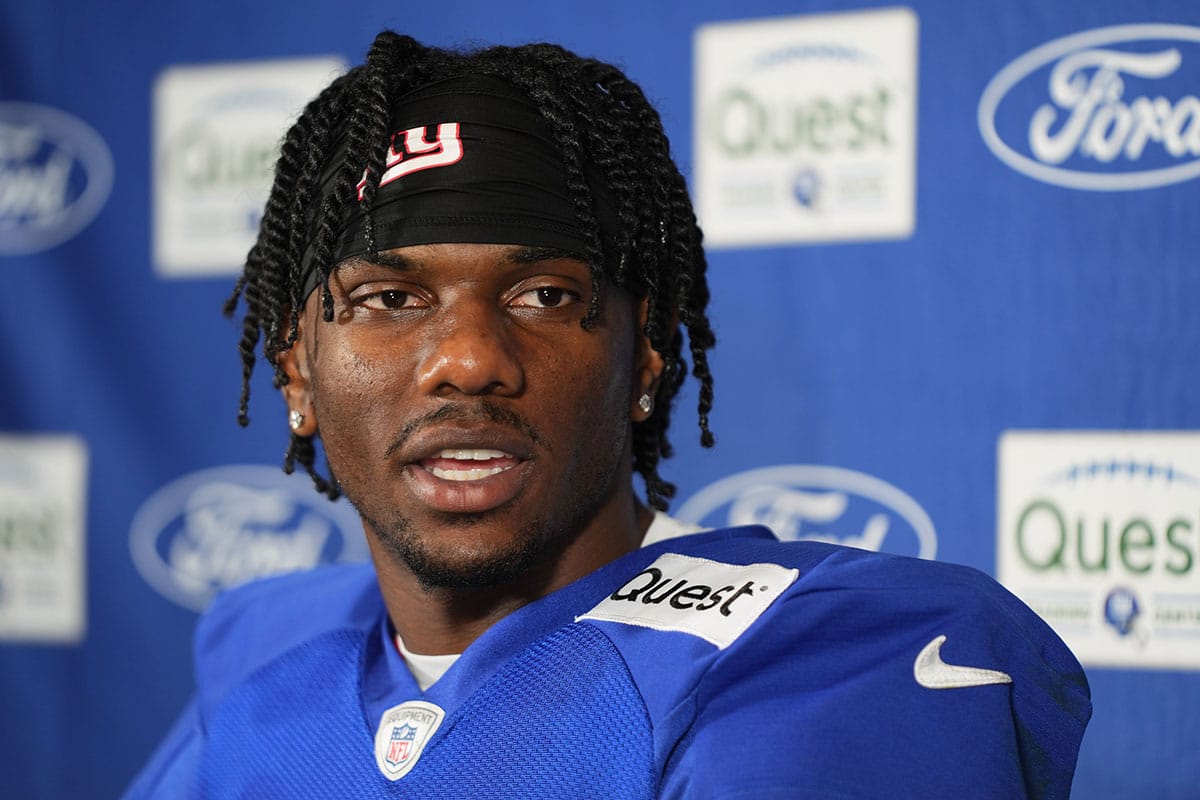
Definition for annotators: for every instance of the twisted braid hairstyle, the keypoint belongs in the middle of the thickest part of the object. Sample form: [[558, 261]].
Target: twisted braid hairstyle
[[598, 117]]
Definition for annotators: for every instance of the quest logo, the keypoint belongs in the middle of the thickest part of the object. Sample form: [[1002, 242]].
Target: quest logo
[[820, 503], [43, 550], [806, 127], [1099, 533], [221, 527], [217, 134], [1111, 109], [55, 176]]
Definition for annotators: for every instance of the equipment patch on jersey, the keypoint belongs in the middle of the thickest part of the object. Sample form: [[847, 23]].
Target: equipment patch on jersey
[[403, 733], [709, 599]]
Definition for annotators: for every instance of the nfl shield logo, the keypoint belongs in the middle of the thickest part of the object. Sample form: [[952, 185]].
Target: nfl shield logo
[[402, 735], [400, 745]]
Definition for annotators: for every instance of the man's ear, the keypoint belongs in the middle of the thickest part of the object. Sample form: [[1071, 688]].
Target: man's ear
[[297, 392], [647, 369]]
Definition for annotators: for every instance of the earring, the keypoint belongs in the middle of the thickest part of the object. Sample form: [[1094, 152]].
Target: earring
[[295, 419], [646, 403]]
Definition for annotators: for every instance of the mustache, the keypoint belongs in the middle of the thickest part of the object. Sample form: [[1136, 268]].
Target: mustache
[[462, 413]]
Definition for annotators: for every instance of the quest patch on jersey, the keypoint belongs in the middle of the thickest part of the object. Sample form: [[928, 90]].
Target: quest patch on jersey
[[403, 732], [704, 598]]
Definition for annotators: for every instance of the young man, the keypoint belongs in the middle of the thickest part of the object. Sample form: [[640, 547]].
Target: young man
[[473, 280]]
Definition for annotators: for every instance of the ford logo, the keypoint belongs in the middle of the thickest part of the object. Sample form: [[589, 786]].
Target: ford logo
[[55, 176], [1094, 110], [221, 527], [817, 502]]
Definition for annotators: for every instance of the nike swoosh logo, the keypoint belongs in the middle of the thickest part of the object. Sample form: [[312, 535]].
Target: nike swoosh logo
[[933, 673]]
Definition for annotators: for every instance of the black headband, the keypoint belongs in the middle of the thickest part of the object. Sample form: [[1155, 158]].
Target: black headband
[[472, 160]]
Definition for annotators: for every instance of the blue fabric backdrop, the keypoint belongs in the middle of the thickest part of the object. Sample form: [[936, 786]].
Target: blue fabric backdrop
[[1013, 304]]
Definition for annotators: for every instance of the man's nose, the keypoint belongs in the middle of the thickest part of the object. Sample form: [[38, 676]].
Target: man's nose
[[471, 349]]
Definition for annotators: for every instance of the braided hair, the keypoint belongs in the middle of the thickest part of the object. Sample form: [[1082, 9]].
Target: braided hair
[[597, 115]]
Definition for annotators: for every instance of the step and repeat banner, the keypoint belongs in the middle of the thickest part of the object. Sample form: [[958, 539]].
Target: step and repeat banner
[[955, 283]]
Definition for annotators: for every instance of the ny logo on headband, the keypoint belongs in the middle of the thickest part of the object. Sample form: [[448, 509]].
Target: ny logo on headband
[[417, 153]]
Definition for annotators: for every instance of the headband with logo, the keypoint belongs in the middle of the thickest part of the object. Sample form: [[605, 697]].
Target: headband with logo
[[472, 161]]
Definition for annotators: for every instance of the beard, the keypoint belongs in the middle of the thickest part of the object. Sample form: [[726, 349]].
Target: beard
[[446, 568]]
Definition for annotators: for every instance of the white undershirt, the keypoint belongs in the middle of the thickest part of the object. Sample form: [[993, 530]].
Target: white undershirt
[[427, 670]]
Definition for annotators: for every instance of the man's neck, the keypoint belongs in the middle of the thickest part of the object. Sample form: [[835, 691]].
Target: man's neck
[[449, 619]]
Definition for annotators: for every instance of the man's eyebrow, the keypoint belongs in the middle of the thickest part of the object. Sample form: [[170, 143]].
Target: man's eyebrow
[[393, 260]]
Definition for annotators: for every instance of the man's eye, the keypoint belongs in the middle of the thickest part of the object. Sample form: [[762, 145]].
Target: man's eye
[[546, 297], [388, 300]]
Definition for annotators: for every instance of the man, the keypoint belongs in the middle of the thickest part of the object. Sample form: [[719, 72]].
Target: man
[[470, 280]]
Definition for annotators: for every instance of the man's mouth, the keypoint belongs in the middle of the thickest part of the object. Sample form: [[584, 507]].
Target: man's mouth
[[463, 469], [468, 464]]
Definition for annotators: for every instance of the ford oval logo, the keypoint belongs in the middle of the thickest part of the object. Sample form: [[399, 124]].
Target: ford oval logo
[[55, 176], [1096, 110], [817, 502], [221, 527]]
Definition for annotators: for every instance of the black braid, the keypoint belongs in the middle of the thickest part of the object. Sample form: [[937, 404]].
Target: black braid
[[603, 125]]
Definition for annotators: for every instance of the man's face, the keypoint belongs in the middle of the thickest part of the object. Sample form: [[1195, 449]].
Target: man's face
[[467, 415]]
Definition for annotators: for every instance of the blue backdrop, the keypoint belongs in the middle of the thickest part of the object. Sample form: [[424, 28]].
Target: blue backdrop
[[874, 375]]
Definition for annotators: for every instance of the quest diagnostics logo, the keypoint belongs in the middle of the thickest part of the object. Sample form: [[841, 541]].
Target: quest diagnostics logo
[[1099, 532], [56, 174], [818, 503], [217, 135], [221, 527], [806, 127], [1111, 109], [43, 549]]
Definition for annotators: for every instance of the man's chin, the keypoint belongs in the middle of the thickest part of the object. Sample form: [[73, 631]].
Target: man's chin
[[480, 573], [441, 565]]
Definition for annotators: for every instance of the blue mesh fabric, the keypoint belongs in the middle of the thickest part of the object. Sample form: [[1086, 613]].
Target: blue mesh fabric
[[561, 720]]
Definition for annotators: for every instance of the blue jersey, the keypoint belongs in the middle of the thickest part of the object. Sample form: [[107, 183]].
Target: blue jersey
[[719, 665]]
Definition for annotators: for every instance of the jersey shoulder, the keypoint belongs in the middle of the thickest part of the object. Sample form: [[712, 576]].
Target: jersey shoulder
[[847, 578], [963, 682], [755, 598], [253, 624]]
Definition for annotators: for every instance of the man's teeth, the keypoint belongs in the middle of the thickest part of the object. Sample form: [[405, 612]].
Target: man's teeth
[[472, 455], [466, 474], [471, 473]]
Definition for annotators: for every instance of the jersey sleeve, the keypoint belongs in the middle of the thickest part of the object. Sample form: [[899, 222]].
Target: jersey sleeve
[[824, 696], [171, 771]]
